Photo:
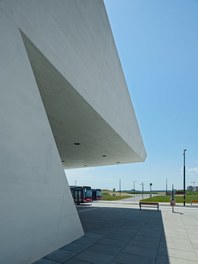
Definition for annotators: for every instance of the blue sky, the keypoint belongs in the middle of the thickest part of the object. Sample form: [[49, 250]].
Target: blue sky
[[157, 42]]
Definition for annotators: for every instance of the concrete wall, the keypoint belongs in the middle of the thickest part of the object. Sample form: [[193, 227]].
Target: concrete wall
[[37, 213]]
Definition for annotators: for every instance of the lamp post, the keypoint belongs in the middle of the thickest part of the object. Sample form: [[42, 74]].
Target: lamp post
[[173, 193], [134, 186], [184, 177], [150, 189], [142, 190]]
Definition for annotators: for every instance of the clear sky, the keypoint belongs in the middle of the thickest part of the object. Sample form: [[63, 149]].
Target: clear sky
[[157, 42]]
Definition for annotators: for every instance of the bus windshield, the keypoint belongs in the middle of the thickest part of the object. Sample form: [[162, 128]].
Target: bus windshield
[[98, 193], [88, 193]]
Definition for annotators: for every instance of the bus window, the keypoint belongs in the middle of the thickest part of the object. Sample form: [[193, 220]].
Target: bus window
[[87, 194], [96, 194]]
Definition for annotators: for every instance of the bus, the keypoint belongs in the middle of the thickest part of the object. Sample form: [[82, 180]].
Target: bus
[[81, 194], [96, 194]]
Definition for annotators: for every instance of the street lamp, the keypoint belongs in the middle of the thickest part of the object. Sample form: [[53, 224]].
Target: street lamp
[[134, 186], [142, 190], [184, 177], [150, 190]]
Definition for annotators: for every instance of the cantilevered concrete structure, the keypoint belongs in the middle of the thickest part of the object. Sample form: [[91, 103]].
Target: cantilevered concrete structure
[[63, 102]]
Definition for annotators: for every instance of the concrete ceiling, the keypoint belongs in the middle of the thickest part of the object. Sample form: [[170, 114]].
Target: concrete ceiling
[[82, 136]]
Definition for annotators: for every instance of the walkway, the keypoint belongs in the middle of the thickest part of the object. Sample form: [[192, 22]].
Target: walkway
[[121, 233]]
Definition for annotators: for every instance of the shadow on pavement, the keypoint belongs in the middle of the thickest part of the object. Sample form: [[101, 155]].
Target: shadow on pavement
[[115, 235], [124, 235]]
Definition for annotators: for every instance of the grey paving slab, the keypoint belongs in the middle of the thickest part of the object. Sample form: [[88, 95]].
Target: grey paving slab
[[144, 244], [112, 242], [77, 261], [60, 255], [140, 251], [150, 234], [75, 247], [194, 237], [172, 260], [46, 261], [93, 236], [95, 257], [118, 236], [127, 233], [178, 235], [167, 239], [195, 245], [187, 246], [100, 230], [180, 254], [129, 258], [110, 250], [151, 239], [86, 241]]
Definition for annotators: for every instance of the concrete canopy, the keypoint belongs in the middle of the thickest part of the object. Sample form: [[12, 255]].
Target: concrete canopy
[[82, 136]]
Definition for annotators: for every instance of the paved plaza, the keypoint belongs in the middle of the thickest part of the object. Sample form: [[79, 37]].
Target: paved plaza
[[118, 232]]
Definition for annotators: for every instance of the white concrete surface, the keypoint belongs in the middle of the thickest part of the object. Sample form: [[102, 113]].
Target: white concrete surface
[[79, 67], [37, 214], [61, 82]]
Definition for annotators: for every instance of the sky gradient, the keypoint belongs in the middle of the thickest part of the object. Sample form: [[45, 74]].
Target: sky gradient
[[157, 42]]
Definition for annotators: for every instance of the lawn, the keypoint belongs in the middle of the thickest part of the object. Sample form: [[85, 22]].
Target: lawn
[[110, 196], [178, 198], [114, 198]]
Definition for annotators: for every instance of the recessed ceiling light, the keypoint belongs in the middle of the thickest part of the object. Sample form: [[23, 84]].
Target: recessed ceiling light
[[77, 143]]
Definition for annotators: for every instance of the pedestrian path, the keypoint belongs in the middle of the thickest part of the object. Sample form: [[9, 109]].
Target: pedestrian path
[[124, 234]]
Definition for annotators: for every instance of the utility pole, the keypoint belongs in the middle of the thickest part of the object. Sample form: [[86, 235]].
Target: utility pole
[[184, 177], [151, 189], [142, 190], [166, 187], [173, 192], [120, 186], [134, 186]]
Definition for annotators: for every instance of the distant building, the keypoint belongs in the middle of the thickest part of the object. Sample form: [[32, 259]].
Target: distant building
[[192, 188]]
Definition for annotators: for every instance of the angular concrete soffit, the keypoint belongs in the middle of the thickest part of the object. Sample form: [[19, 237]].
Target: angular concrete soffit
[[27, 42]]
